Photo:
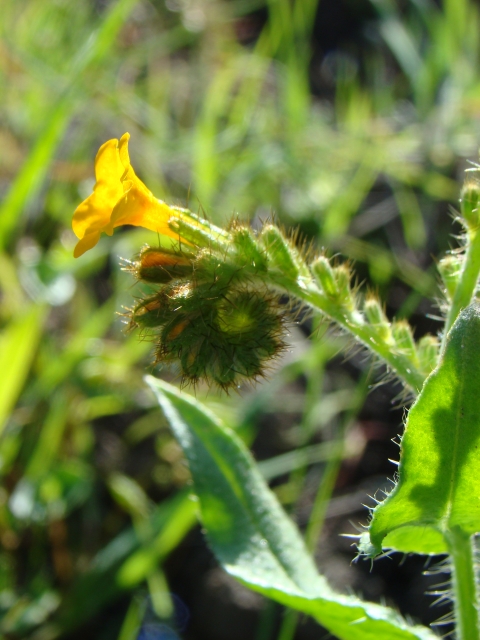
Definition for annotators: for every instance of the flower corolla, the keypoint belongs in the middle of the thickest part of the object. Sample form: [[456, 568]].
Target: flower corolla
[[119, 198]]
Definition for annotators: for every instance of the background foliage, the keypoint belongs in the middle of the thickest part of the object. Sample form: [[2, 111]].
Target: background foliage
[[351, 120]]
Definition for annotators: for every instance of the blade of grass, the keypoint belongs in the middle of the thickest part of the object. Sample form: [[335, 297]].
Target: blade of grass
[[59, 369], [324, 494], [133, 619], [50, 436], [122, 565], [18, 344]]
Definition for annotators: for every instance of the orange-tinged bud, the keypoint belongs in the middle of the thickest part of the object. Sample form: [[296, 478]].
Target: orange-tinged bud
[[162, 265]]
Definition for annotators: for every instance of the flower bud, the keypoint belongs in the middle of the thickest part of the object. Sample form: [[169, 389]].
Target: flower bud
[[247, 249], [280, 254], [450, 268], [223, 339], [428, 351], [161, 265], [146, 314], [324, 275], [343, 277], [469, 202], [402, 334], [377, 318]]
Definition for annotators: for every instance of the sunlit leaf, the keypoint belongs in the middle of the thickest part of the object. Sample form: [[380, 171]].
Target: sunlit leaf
[[438, 485], [251, 535]]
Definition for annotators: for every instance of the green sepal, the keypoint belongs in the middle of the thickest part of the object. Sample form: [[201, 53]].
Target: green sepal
[[343, 277], [438, 487], [199, 232], [403, 337], [377, 318], [427, 350]]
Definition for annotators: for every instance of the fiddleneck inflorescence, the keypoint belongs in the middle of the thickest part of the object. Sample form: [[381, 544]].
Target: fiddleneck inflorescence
[[215, 299]]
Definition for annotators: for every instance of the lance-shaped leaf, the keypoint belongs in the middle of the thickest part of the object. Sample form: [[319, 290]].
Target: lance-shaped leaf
[[251, 535], [438, 486]]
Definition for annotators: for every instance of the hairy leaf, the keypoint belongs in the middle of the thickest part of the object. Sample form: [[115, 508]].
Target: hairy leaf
[[251, 535], [438, 486]]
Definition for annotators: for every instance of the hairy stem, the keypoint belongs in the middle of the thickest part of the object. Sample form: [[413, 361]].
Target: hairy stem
[[355, 324], [465, 594], [468, 281]]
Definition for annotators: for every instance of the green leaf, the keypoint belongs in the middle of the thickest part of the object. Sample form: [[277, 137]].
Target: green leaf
[[438, 486], [251, 535]]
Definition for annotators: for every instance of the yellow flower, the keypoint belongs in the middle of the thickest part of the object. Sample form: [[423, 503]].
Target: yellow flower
[[119, 197]]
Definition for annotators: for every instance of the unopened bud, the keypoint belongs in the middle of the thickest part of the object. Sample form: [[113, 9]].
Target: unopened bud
[[428, 349], [377, 318], [450, 269], [162, 265], [402, 334], [325, 277], [280, 254], [343, 277], [469, 202], [149, 313], [245, 331], [247, 249]]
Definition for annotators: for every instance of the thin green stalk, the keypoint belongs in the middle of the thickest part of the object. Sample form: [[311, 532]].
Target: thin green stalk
[[267, 621], [465, 595], [313, 391], [467, 282], [289, 625], [315, 526], [332, 468], [133, 619]]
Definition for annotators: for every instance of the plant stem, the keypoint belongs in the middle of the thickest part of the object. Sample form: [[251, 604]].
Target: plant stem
[[467, 283], [465, 596]]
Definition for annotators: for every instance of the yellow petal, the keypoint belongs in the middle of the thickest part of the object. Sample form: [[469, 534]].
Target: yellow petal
[[87, 242], [93, 214], [140, 208], [129, 177], [119, 197]]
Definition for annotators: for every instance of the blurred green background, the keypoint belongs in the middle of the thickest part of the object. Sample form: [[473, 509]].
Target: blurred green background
[[350, 119]]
